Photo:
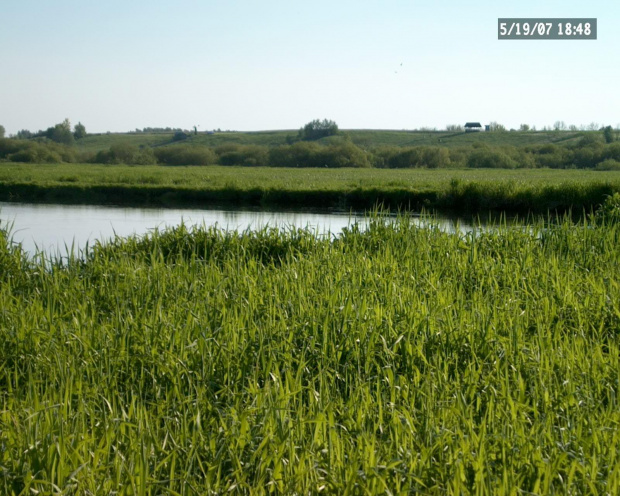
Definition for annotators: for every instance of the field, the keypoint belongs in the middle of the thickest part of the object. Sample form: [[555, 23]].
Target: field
[[365, 138], [398, 360], [516, 191]]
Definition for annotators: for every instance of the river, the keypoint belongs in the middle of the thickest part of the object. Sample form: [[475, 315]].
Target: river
[[58, 229]]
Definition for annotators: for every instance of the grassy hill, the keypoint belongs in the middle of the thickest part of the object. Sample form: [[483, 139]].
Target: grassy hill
[[361, 137]]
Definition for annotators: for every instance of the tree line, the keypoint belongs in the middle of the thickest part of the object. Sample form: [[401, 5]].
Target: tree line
[[60, 133], [590, 152], [55, 145]]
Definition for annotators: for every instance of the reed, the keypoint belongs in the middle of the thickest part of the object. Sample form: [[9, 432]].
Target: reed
[[395, 359], [515, 191]]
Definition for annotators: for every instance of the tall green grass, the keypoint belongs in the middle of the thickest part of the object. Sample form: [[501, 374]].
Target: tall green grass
[[517, 191], [393, 360]]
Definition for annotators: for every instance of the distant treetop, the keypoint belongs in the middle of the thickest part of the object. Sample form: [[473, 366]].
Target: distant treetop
[[317, 129]]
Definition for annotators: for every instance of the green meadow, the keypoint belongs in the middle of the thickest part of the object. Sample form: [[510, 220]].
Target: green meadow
[[361, 137], [463, 190], [395, 360]]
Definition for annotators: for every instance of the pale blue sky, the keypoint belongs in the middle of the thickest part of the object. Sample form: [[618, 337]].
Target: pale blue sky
[[257, 65]]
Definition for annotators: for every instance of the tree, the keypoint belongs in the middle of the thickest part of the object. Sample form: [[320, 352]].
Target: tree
[[79, 131], [318, 129], [61, 133], [496, 126], [559, 126], [24, 134], [608, 134], [524, 127], [2, 131]]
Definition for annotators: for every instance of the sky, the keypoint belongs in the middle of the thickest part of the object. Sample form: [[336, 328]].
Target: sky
[[262, 65]]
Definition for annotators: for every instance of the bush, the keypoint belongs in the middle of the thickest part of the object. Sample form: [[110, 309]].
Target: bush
[[420, 156], [491, 159], [588, 156], [123, 153], [305, 154], [8, 146], [297, 155], [608, 165], [185, 155], [343, 155], [588, 139], [612, 151], [36, 153], [126, 153], [250, 155], [179, 136], [551, 156]]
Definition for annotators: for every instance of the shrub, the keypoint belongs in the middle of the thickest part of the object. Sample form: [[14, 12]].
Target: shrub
[[250, 155], [303, 154], [300, 154], [179, 136], [380, 156], [492, 159], [608, 165], [343, 155], [125, 153], [588, 156], [551, 156], [8, 146], [588, 139], [612, 151], [36, 153], [185, 155]]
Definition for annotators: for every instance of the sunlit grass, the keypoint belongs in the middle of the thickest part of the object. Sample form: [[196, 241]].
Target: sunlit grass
[[539, 190], [362, 137], [395, 360]]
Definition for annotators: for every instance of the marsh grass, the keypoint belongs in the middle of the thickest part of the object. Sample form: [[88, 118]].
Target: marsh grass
[[394, 360], [471, 191]]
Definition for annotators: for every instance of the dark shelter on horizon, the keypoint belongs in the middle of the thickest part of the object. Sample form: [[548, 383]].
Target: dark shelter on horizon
[[471, 127]]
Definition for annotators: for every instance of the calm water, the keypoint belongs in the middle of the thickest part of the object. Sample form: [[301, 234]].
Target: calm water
[[54, 229]]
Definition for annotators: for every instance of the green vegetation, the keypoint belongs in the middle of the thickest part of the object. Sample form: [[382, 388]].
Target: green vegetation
[[79, 131], [467, 190], [319, 146], [325, 149], [399, 359], [363, 138], [317, 129], [61, 133]]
